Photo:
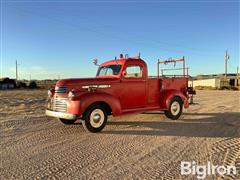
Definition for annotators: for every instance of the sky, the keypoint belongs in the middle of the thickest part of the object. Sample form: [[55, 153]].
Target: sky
[[59, 39]]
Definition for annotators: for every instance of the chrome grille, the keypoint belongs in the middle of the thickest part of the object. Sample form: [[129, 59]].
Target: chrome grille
[[59, 104], [61, 89]]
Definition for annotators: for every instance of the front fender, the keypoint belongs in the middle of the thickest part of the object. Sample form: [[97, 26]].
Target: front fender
[[167, 95], [92, 97]]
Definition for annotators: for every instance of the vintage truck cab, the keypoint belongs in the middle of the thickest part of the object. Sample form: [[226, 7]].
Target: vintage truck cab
[[121, 86]]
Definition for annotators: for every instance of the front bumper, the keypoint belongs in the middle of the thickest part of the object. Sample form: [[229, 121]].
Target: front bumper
[[61, 115]]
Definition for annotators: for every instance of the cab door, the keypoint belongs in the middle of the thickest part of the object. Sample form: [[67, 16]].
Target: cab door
[[133, 87]]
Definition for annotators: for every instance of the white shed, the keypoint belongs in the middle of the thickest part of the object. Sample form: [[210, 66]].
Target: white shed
[[206, 82]]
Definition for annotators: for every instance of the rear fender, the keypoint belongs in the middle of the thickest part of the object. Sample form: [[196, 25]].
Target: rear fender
[[168, 95], [90, 98]]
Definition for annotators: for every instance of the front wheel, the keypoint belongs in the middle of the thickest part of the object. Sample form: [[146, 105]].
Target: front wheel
[[175, 108], [95, 118]]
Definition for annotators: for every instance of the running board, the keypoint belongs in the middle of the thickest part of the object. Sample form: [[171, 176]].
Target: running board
[[140, 110]]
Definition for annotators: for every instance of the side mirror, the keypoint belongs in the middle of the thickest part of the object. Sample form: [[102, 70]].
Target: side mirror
[[95, 62], [124, 73]]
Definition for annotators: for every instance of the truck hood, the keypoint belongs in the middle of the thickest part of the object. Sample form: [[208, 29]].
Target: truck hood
[[79, 82]]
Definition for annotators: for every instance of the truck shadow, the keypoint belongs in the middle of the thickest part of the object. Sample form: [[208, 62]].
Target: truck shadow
[[191, 125]]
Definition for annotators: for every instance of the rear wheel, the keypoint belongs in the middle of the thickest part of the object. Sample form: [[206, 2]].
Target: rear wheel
[[66, 121], [175, 108], [95, 118]]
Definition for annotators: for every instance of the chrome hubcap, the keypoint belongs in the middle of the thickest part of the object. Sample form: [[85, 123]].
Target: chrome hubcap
[[97, 118], [175, 108]]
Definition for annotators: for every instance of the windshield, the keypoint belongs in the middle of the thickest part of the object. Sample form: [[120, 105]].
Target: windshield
[[109, 70]]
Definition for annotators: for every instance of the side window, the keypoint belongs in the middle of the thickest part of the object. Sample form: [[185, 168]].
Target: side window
[[133, 71]]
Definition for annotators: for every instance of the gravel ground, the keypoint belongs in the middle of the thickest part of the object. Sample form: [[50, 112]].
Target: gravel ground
[[144, 146]]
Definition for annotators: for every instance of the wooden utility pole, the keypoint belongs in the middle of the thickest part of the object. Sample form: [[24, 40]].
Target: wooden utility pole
[[237, 71], [16, 71], [226, 59], [237, 75]]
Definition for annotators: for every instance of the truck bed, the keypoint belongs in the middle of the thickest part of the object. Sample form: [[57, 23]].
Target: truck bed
[[156, 86], [169, 82]]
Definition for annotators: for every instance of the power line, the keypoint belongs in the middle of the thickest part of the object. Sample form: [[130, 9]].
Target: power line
[[153, 40], [124, 1], [42, 15]]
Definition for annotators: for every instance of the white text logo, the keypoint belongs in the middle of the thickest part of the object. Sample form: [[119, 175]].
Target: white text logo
[[201, 171]]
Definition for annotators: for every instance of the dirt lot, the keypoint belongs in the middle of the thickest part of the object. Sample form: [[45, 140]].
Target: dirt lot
[[145, 146]]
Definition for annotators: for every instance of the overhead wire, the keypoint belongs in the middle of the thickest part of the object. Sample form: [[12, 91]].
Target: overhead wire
[[77, 26]]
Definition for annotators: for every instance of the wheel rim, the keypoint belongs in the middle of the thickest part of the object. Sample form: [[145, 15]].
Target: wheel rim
[[97, 118], [175, 108]]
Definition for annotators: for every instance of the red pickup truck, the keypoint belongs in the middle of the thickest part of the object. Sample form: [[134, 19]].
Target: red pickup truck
[[121, 86]]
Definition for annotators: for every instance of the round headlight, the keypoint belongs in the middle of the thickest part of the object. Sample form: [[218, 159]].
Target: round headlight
[[71, 95]]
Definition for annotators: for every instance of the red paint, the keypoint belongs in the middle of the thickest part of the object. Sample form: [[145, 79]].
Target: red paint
[[126, 95]]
